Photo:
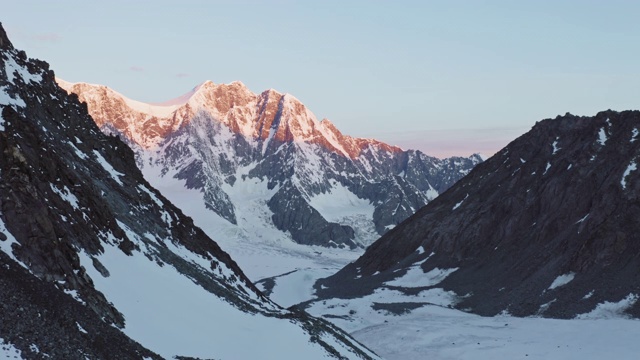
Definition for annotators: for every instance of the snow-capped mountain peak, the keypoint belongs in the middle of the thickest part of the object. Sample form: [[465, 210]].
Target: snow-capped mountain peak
[[222, 135]]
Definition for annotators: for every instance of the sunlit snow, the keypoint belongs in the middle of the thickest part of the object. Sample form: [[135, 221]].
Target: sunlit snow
[[154, 110]]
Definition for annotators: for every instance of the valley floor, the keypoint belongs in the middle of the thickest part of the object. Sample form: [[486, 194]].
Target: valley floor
[[440, 333], [434, 332]]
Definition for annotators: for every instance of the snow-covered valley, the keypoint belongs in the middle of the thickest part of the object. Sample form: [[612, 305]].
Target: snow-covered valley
[[404, 327]]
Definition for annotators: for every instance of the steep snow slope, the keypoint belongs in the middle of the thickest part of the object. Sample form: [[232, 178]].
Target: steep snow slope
[[90, 252], [220, 138]]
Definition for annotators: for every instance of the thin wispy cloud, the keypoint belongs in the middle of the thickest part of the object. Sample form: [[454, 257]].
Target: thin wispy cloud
[[461, 142], [47, 37], [36, 39], [136, 68], [182, 75]]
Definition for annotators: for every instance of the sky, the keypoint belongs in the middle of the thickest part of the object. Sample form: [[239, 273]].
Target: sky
[[446, 77]]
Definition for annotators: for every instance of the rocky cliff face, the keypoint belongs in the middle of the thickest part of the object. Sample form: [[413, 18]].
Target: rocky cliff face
[[92, 256], [321, 187], [546, 227]]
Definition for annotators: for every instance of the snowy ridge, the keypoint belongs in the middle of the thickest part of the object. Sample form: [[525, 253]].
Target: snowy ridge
[[221, 134]]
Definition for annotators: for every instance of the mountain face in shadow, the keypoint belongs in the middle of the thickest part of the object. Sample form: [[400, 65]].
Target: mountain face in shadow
[[548, 226]]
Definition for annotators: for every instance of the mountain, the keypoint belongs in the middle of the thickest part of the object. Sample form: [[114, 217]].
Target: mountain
[[96, 263], [547, 226], [264, 161]]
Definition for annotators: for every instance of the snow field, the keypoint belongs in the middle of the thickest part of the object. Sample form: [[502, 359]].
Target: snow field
[[168, 313], [255, 244], [435, 331], [438, 333], [9, 351]]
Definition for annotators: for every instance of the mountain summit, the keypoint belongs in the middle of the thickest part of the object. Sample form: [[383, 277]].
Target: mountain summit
[[264, 161]]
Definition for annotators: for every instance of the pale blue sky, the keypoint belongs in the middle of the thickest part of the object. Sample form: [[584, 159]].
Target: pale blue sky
[[449, 77]]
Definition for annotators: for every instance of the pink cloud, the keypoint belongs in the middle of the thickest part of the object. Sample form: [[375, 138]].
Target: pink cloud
[[47, 37], [182, 75], [446, 143], [136, 68]]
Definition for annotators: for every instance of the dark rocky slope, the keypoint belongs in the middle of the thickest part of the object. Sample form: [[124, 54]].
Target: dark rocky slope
[[559, 203], [39, 320], [67, 193]]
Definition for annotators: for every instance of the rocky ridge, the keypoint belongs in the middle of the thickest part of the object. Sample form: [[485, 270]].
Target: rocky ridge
[[545, 227]]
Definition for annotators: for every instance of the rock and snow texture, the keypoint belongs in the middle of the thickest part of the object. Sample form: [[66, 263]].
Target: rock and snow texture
[[547, 226], [399, 324], [317, 186], [96, 263]]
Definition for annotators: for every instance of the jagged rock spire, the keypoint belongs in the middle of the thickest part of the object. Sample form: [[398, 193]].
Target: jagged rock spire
[[4, 40]]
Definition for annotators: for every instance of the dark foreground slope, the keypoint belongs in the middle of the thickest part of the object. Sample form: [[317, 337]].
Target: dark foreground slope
[[548, 226], [75, 211]]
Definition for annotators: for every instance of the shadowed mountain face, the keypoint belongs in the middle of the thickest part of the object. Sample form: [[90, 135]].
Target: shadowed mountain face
[[95, 263], [315, 184], [547, 226]]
